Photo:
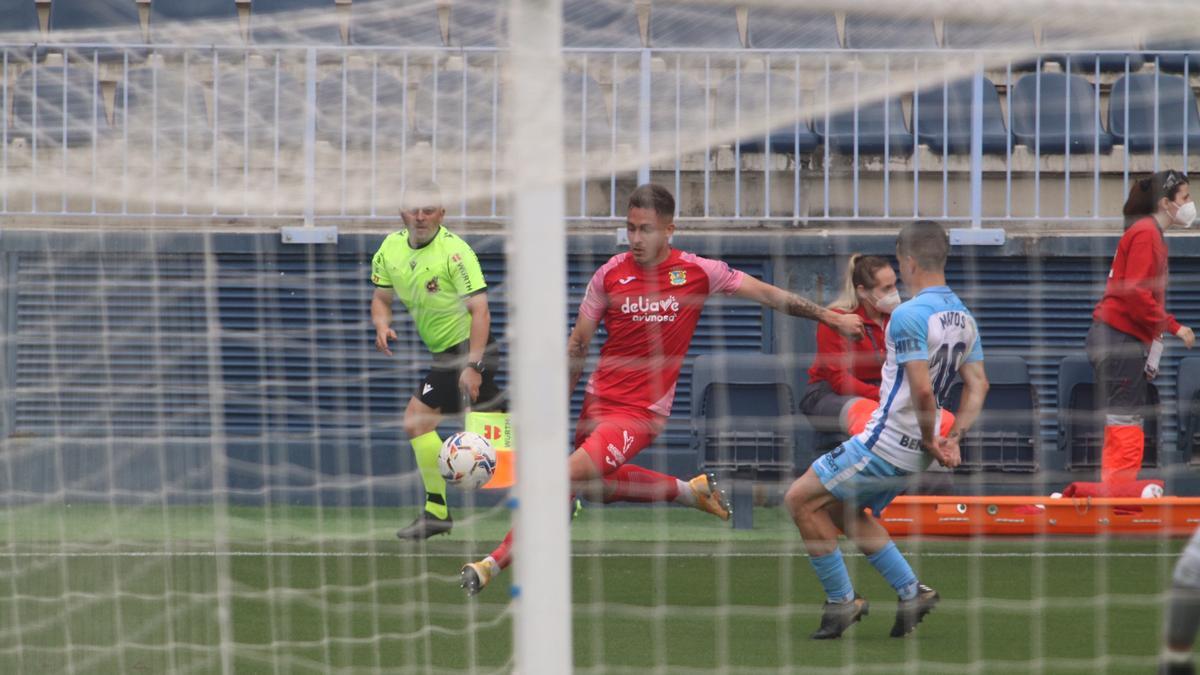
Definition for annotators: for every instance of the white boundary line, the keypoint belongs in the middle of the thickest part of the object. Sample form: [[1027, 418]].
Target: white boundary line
[[646, 554]]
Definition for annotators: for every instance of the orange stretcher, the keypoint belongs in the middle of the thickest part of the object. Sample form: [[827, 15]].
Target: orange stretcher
[[952, 516]]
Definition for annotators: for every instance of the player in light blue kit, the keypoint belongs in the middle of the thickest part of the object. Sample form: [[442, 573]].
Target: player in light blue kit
[[930, 339]]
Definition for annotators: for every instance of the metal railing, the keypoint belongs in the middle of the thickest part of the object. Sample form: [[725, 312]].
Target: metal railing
[[331, 134]]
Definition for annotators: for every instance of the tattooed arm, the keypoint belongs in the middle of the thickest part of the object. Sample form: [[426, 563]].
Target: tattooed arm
[[789, 303]]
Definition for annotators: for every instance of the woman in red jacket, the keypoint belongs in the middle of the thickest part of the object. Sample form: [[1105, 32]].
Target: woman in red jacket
[[1125, 340], [844, 379]]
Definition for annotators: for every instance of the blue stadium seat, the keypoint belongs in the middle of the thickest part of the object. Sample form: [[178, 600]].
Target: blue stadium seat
[[744, 420], [1081, 426], [1188, 404], [779, 28], [19, 21], [194, 22], [881, 122], [40, 113], [992, 35], [368, 108], [667, 95], [1006, 436], [689, 24], [744, 98], [104, 22], [601, 23], [1154, 99], [294, 22], [865, 31], [943, 118], [1057, 37], [586, 123], [1174, 63], [162, 106], [247, 103], [384, 23], [478, 23], [1044, 98], [445, 129], [19, 25], [987, 35]]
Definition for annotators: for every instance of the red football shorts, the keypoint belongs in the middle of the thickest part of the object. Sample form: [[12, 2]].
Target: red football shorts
[[613, 434]]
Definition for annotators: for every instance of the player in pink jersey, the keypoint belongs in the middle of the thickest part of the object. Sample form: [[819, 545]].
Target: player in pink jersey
[[649, 299]]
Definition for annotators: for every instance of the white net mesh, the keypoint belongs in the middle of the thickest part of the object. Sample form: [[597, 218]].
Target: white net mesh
[[204, 459]]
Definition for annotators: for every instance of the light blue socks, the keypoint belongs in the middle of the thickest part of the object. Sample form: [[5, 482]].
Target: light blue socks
[[892, 565], [835, 579]]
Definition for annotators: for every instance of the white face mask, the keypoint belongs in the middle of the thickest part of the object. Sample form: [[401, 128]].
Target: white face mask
[[1186, 215], [888, 303]]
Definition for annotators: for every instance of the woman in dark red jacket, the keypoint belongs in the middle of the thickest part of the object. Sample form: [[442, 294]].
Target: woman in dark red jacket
[[844, 378], [1125, 340]]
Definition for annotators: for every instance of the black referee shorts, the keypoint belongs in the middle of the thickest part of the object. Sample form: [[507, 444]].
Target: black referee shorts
[[440, 389]]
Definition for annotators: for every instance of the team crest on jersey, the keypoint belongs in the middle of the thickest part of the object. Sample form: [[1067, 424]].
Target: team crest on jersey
[[456, 258], [678, 277], [432, 285]]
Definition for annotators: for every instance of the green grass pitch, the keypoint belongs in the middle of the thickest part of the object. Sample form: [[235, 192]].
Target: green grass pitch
[[135, 590]]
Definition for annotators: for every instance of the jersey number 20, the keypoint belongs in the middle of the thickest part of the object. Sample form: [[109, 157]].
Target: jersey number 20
[[943, 367]]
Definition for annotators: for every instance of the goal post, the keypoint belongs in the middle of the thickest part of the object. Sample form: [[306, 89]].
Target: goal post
[[538, 273]]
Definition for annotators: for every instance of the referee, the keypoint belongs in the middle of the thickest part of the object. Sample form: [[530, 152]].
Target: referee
[[438, 278]]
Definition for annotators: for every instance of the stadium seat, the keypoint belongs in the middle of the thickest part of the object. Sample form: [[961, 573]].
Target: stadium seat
[[249, 101], [1188, 403], [20, 30], [1174, 63], [1154, 101], [1009, 36], [373, 109], [943, 118], [382, 23], [19, 21], [1006, 436], [601, 24], [478, 23], [665, 99], [42, 113], [294, 22], [585, 115], [1081, 426], [744, 420], [194, 22], [1057, 37], [779, 28], [162, 107], [876, 32], [104, 22], [446, 128], [880, 123], [744, 98], [693, 24], [1045, 98]]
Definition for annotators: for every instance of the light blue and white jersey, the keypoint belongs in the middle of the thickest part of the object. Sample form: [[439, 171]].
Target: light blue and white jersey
[[936, 327]]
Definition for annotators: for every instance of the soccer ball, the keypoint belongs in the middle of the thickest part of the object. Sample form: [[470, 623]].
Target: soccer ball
[[467, 460]]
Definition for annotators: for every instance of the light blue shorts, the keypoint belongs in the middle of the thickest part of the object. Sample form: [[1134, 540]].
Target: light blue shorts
[[858, 477]]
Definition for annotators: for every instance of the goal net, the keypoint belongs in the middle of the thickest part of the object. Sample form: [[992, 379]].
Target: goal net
[[204, 458]]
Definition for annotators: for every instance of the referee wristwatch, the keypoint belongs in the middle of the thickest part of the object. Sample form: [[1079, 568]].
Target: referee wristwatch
[[477, 366]]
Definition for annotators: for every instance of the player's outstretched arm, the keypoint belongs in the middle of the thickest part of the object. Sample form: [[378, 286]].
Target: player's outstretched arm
[[381, 318], [789, 303], [577, 348]]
